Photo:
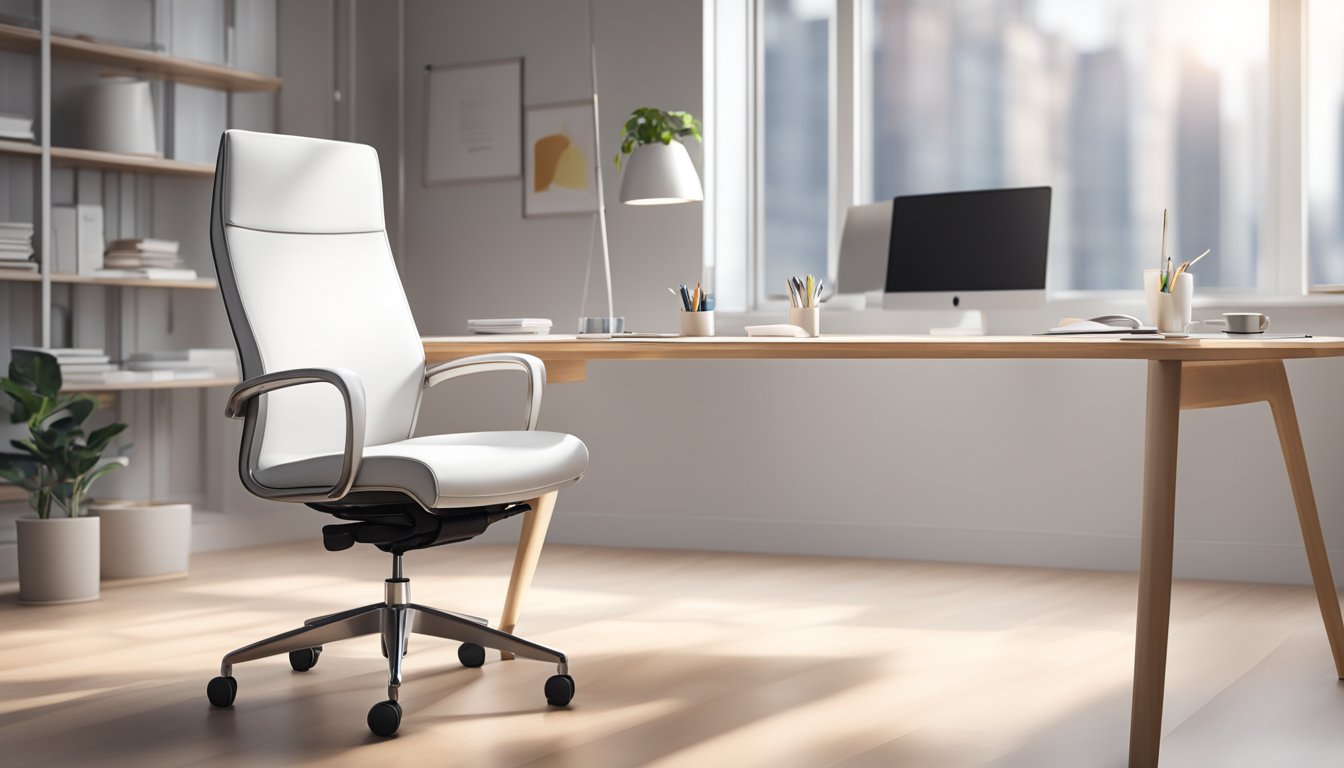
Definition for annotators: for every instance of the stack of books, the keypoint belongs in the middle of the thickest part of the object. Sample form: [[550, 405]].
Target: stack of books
[[14, 126], [79, 366], [533, 325], [16, 246], [144, 257], [187, 363], [82, 367]]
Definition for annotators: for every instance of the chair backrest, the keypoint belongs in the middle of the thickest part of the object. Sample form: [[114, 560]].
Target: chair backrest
[[308, 280]]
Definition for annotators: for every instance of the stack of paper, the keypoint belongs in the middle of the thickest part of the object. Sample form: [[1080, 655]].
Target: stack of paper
[[145, 257], [14, 126], [16, 246], [187, 363], [535, 325], [78, 366]]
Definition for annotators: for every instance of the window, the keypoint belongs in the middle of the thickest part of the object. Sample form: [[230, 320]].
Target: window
[[795, 164], [1325, 141], [1124, 107]]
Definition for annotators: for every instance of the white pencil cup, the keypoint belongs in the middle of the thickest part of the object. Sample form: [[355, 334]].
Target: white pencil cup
[[1170, 312], [807, 318], [697, 323]]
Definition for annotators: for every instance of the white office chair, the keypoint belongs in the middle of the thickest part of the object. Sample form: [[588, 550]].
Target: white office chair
[[314, 299]]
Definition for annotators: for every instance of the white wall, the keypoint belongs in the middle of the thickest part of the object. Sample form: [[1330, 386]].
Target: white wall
[[1033, 462]]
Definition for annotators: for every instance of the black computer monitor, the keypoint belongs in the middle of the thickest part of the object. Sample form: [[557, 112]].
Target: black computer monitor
[[969, 250]]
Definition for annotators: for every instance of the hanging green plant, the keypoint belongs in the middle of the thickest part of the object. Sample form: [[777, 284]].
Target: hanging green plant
[[57, 463], [648, 125]]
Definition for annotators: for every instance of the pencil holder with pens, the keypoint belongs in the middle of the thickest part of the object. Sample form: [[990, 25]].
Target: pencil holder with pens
[[697, 323], [807, 318], [697, 310], [1170, 290], [1170, 310], [805, 303]]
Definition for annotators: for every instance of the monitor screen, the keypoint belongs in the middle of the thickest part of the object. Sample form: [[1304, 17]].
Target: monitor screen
[[991, 240]]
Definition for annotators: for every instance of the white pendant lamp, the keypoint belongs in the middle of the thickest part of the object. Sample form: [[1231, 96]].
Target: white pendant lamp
[[661, 174]]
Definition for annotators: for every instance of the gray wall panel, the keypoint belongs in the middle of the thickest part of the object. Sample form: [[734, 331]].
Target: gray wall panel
[[307, 29]]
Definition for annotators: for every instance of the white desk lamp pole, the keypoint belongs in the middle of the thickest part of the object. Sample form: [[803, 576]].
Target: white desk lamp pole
[[612, 324]]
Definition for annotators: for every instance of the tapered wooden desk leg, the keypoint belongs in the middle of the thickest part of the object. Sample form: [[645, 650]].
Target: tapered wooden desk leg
[[1161, 432], [1295, 457], [530, 540]]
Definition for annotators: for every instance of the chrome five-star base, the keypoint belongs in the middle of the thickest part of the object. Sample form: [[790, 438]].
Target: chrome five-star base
[[393, 620]]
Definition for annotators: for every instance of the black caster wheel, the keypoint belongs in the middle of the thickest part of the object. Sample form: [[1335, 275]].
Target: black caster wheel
[[385, 718], [304, 659], [221, 691], [559, 690], [471, 655]]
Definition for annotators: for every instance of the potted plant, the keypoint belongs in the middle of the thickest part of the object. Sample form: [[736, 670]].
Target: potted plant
[[143, 539], [56, 463], [659, 170]]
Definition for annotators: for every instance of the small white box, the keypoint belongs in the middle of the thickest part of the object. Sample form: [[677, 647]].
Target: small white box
[[64, 240], [89, 238]]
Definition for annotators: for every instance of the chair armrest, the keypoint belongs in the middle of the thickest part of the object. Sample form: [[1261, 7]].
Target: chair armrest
[[352, 391], [499, 361]]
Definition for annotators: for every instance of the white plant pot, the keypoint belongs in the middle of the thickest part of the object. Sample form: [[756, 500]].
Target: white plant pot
[[144, 539], [58, 560]]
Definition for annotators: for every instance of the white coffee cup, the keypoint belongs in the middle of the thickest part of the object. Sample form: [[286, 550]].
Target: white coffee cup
[[1246, 322]]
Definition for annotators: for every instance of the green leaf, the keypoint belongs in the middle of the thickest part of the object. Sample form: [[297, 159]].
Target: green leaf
[[83, 464], [21, 475], [27, 400], [17, 461], [86, 481], [38, 370], [29, 446], [99, 438], [79, 407]]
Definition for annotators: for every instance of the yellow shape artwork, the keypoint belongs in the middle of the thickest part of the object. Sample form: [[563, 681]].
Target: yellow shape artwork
[[558, 162]]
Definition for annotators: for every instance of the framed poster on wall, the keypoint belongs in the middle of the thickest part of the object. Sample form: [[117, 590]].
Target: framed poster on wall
[[473, 121], [560, 160]]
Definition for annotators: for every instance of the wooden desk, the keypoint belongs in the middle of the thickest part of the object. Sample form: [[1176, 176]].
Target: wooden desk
[[1182, 374]]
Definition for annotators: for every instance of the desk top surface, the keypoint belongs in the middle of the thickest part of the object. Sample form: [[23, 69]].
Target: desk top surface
[[859, 347]]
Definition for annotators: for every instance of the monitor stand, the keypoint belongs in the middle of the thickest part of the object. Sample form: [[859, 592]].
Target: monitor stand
[[971, 323]]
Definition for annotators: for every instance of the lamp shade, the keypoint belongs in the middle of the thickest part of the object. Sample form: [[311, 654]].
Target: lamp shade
[[660, 174]]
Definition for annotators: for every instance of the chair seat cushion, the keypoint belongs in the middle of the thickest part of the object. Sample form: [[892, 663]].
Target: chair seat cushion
[[445, 471]]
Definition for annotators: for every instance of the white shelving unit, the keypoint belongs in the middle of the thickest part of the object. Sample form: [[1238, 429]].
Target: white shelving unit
[[130, 313], [141, 63]]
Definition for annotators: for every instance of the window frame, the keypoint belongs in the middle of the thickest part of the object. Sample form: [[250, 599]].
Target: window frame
[[1283, 269]]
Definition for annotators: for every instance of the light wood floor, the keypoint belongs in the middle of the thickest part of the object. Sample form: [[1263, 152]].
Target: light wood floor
[[681, 659]]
